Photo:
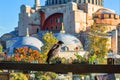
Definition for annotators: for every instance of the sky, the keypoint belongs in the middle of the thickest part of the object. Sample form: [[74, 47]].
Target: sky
[[10, 9]]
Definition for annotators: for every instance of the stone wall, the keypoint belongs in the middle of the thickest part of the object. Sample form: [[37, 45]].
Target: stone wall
[[111, 19]]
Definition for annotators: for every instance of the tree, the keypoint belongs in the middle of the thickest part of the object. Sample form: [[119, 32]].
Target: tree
[[97, 40], [26, 54], [49, 41], [1, 48]]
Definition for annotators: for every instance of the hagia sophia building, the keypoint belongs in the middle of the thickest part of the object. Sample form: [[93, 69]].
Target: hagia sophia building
[[76, 15]]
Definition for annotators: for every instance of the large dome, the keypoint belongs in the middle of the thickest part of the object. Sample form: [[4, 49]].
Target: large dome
[[70, 41], [54, 2], [32, 42]]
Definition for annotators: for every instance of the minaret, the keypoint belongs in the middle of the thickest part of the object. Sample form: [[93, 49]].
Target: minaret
[[37, 4], [27, 32], [62, 30]]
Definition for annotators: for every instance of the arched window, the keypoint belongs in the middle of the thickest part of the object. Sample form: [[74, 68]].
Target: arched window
[[51, 27], [52, 1], [55, 1], [46, 28], [65, 48], [56, 28], [37, 30], [79, 1], [96, 2], [60, 2], [88, 1], [92, 1], [63, 1], [84, 1]]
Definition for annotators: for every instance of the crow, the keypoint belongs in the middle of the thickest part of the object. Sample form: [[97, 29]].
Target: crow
[[54, 51]]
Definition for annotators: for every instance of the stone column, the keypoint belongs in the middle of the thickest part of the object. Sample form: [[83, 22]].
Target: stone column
[[114, 41], [50, 2], [90, 1], [118, 28], [62, 1], [57, 1], [86, 1], [82, 1], [95, 2], [100, 2]]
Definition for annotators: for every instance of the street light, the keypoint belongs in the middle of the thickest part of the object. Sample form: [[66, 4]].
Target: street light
[[110, 59]]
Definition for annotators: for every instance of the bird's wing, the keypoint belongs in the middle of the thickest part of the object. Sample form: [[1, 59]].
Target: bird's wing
[[55, 46]]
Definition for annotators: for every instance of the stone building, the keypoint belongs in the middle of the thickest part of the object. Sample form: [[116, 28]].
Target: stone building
[[76, 15]]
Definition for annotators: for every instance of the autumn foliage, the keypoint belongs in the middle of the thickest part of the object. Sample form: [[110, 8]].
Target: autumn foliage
[[26, 54]]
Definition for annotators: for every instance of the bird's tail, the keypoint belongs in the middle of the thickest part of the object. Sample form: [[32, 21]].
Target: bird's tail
[[48, 60]]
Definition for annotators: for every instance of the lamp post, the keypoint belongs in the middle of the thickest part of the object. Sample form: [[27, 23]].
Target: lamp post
[[110, 59]]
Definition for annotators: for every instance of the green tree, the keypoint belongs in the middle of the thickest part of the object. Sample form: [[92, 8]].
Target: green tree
[[98, 41], [1, 48], [49, 41]]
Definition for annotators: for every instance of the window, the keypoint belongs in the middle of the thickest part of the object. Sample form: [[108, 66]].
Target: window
[[109, 15], [46, 28], [79, 1], [37, 30], [96, 1], [60, 2], [88, 1], [69, 0], [61, 19], [65, 48], [51, 27], [92, 1], [55, 1], [57, 20], [84, 1], [56, 27], [51, 20]]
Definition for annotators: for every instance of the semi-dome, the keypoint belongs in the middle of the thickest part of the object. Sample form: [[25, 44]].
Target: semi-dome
[[31, 42], [105, 11], [70, 41]]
